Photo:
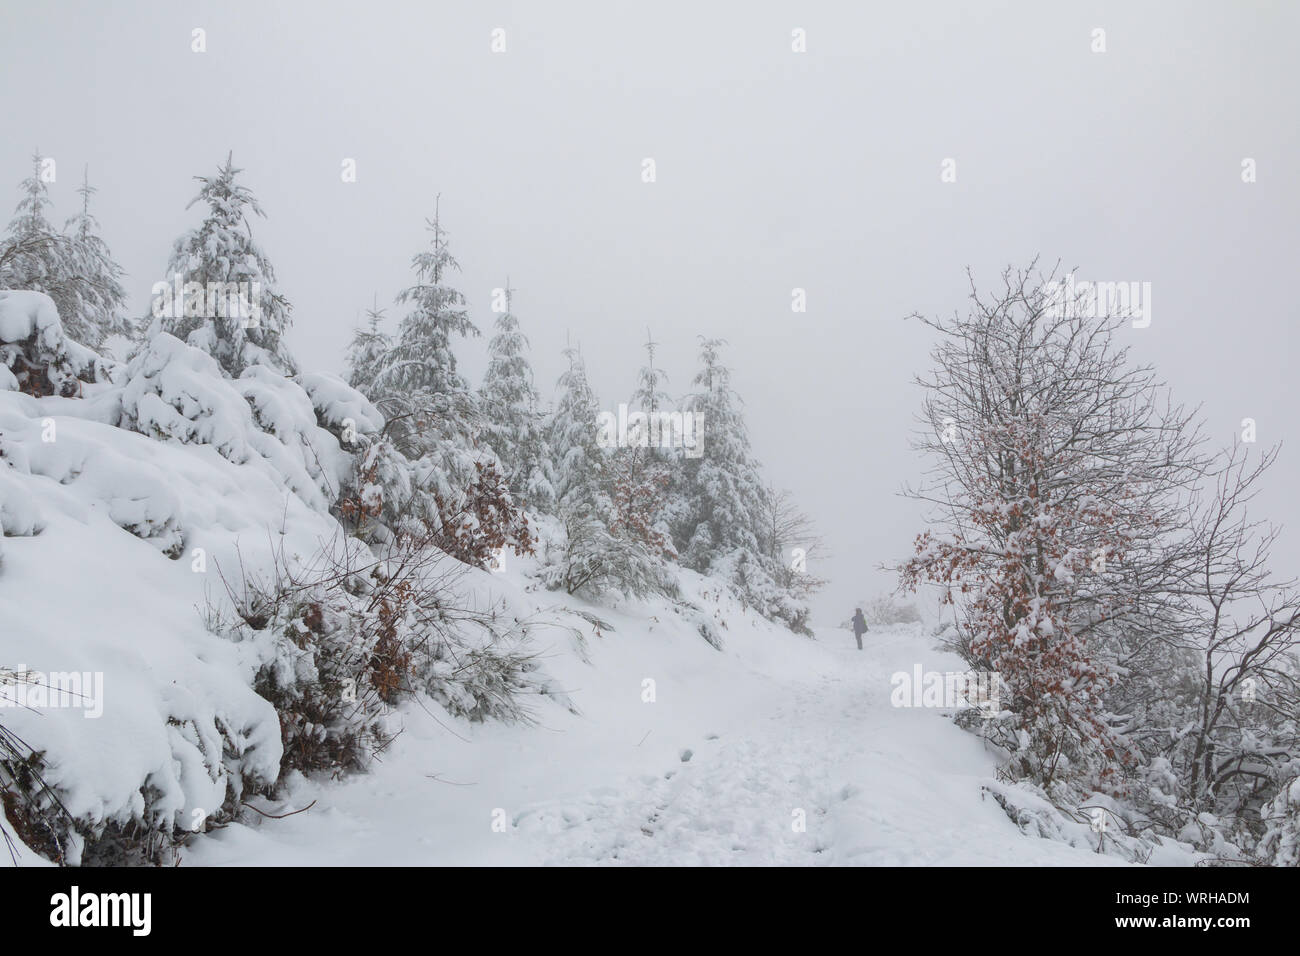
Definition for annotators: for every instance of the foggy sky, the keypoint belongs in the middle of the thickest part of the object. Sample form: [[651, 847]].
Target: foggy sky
[[775, 170]]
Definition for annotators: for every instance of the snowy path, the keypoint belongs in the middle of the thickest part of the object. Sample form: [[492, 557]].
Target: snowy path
[[874, 784]]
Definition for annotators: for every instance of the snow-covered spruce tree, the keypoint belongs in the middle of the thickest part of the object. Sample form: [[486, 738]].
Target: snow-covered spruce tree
[[432, 412], [1060, 479], [434, 419], [650, 395], [423, 357], [368, 350], [723, 485], [648, 491], [96, 299], [36, 257], [592, 559], [512, 426], [229, 306], [721, 531]]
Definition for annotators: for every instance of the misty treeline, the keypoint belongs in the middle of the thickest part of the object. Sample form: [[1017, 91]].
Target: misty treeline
[[460, 463], [1103, 557]]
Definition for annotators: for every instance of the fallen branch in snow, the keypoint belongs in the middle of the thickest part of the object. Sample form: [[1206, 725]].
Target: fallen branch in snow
[[277, 816]]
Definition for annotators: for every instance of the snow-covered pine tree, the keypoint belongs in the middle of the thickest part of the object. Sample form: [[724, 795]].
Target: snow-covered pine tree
[[512, 427], [231, 307], [649, 395], [37, 257], [722, 529], [98, 301], [592, 559], [367, 351], [580, 462], [431, 410], [423, 358], [723, 484], [642, 479], [454, 495]]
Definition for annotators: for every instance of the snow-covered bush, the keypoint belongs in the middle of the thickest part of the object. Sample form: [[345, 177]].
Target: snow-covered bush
[[588, 559], [885, 609], [36, 357], [348, 636], [1281, 843]]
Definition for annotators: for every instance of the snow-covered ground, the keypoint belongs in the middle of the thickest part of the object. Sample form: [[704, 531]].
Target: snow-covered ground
[[714, 771]]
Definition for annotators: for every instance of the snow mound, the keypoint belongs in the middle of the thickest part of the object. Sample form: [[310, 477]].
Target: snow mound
[[35, 354], [175, 391]]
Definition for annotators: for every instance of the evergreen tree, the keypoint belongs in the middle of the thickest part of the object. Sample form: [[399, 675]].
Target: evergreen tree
[[649, 396], [598, 554], [509, 404], [36, 256], [367, 351], [458, 494], [724, 487], [423, 358], [580, 462], [431, 410], [647, 492], [725, 532], [230, 307], [97, 306]]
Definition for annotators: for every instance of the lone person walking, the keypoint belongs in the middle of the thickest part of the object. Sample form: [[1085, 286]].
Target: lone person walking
[[859, 626]]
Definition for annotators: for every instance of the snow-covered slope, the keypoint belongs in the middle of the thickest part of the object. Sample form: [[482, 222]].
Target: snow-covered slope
[[125, 511]]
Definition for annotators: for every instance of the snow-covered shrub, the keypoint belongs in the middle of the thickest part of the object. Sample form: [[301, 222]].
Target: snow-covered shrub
[[484, 521], [349, 636], [884, 610], [754, 581], [176, 391], [28, 803], [36, 357], [340, 408], [1281, 843], [1095, 821], [589, 560]]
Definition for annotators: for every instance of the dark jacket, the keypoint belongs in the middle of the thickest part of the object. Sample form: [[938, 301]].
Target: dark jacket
[[859, 623]]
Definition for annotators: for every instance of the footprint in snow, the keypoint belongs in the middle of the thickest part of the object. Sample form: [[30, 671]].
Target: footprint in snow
[[687, 755]]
